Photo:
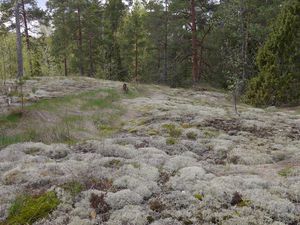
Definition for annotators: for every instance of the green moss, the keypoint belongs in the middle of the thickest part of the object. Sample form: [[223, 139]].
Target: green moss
[[29, 209], [186, 125], [133, 131], [115, 163], [150, 219], [198, 196], [191, 135], [171, 141], [152, 132], [286, 172], [172, 130], [107, 130], [211, 133], [244, 203], [32, 151], [136, 165], [74, 188]]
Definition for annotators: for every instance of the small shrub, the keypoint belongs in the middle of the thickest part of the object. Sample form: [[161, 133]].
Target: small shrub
[[191, 135], [237, 200], [29, 209], [156, 205], [101, 184], [33, 90], [101, 206], [172, 130], [150, 219], [171, 141]]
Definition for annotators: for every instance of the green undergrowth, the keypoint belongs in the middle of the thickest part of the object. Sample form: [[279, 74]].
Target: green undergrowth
[[74, 188], [172, 130], [28, 209], [285, 172]]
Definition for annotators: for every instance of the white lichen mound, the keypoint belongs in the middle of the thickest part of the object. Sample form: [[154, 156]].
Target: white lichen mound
[[211, 167]]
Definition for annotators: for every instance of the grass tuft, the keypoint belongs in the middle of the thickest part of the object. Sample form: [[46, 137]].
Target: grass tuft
[[171, 141], [198, 196], [29, 209]]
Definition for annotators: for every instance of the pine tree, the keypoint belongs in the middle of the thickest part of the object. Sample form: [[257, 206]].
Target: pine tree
[[278, 61]]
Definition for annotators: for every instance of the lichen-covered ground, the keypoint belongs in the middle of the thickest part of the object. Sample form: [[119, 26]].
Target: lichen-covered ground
[[180, 157]]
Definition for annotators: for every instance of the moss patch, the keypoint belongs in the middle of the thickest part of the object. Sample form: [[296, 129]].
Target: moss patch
[[29, 209], [191, 135], [171, 141], [172, 130], [74, 188], [286, 172], [198, 196]]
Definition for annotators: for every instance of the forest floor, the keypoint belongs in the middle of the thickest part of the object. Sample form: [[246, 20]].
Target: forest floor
[[155, 155]]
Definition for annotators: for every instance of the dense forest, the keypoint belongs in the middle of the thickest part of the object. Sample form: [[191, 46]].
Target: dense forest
[[250, 47]]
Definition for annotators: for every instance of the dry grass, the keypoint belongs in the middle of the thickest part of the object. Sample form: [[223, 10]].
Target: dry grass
[[93, 114]]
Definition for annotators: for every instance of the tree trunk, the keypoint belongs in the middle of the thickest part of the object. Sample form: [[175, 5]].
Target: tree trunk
[[26, 35], [91, 73], [80, 43], [19, 41], [66, 66], [195, 68]]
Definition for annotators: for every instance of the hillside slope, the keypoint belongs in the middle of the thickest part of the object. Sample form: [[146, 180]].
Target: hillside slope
[[163, 157]]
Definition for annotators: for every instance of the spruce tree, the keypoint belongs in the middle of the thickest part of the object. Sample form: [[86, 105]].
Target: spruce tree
[[278, 61]]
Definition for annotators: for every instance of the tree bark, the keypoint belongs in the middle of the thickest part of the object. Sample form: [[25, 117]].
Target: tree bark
[[91, 73], [19, 41], [66, 66], [195, 67], [26, 30]]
